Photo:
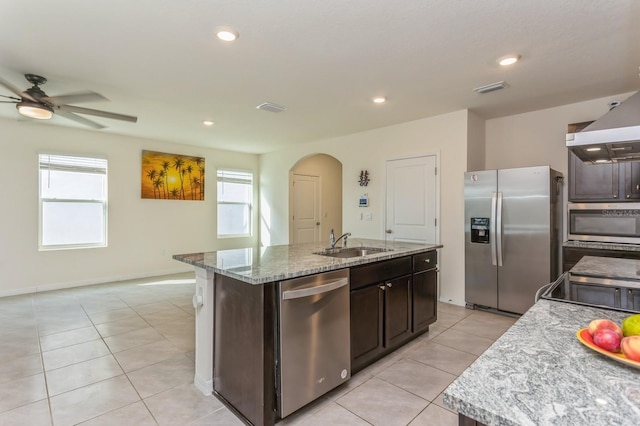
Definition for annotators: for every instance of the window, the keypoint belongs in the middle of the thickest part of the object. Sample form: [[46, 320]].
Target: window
[[235, 195], [73, 202]]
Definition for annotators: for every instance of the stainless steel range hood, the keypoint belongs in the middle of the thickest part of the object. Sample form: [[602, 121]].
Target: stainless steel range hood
[[614, 137]]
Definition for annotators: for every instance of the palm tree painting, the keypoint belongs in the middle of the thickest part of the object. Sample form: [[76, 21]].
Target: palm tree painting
[[172, 176]]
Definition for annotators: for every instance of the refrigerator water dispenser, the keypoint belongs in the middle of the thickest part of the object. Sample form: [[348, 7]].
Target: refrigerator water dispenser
[[480, 230]]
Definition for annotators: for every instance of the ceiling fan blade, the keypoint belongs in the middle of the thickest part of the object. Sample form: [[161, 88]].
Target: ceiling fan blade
[[17, 91], [74, 98], [96, 112], [78, 119], [11, 97]]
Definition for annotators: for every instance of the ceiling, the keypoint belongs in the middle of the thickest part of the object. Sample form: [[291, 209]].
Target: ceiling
[[323, 60]]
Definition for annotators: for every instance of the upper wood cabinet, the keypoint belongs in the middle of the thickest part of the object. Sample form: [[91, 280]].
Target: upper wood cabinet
[[601, 182]]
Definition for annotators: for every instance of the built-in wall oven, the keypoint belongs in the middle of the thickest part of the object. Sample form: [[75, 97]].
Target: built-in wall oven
[[604, 222]]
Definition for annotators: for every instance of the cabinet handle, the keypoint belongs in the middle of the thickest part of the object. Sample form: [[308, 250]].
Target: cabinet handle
[[628, 196], [638, 187], [382, 287], [427, 260], [389, 285], [615, 196]]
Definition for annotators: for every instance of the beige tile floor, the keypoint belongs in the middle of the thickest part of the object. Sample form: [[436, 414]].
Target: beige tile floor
[[122, 354]]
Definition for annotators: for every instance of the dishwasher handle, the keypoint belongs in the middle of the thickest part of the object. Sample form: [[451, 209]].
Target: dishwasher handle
[[313, 290]]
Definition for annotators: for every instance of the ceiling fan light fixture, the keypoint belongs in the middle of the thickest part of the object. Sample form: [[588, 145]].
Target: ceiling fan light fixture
[[34, 110]]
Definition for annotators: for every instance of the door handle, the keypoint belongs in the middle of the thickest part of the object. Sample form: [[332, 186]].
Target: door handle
[[492, 228], [382, 287], [389, 231], [499, 229], [318, 223], [389, 285], [316, 289]]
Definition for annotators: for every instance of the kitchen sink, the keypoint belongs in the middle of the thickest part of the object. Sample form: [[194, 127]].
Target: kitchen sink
[[351, 251]]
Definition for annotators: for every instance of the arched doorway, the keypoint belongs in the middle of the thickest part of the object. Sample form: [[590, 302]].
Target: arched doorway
[[315, 199]]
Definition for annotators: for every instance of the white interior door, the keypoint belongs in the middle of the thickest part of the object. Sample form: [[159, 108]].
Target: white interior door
[[411, 213], [305, 209]]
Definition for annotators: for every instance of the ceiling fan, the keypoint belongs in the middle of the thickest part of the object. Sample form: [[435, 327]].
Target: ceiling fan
[[35, 103]]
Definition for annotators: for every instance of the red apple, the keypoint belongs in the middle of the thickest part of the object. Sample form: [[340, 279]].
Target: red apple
[[631, 347], [608, 340], [603, 324]]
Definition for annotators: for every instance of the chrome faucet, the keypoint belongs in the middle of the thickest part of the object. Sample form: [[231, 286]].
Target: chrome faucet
[[333, 240]]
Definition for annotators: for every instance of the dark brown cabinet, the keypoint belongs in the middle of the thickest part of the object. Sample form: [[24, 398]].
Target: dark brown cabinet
[[391, 302], [593, 182], [367, 322], [397, 308], [424, 288], [603, 182]]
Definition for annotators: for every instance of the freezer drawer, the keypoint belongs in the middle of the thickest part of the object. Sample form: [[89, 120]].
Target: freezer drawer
[[314, 337]]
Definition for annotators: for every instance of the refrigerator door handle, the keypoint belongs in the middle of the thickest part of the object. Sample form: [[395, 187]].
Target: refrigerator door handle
[[499, 229], [492, 228]]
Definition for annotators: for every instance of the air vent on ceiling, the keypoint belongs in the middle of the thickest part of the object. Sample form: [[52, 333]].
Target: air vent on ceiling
[[271, 107], [490, 87]]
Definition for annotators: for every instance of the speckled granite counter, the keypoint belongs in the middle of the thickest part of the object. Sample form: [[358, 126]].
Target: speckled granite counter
[[609, 267], [538, 373], [267, 264], [601, 246]]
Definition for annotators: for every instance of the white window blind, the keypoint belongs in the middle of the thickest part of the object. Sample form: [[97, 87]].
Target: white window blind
[[235, 197], [73, 201]]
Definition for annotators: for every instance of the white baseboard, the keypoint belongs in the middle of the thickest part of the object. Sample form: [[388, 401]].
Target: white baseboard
[[204, 386], [452, 301], [93, 281]]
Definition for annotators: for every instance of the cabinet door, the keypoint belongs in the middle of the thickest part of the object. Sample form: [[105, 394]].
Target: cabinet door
[[397, 304], [632, 180], [424, 300], [596, 295], [592, 182], [366, 325], [633, 299]]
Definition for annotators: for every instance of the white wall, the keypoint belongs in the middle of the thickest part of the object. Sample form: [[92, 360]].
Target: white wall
[[143, 233], [444, 135], [538, 138]]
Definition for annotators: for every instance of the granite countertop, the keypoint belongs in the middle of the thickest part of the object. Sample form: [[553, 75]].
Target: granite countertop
[[259, 265], [608, 267], [538, 373], [602, 246]]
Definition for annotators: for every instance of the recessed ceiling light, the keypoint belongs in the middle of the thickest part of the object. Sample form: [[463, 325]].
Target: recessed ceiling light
[[226, 33], [594, 149], [508, 60], [208, 123], [602, 161], [379, 100]]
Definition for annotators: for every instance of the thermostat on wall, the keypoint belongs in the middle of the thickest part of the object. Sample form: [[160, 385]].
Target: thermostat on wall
[[364, 200]]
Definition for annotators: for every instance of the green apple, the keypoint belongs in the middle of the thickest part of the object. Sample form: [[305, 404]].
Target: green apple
[[631, 326]]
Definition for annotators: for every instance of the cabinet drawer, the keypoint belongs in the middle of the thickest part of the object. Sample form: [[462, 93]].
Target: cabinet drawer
[[376, 272], [425, 261]]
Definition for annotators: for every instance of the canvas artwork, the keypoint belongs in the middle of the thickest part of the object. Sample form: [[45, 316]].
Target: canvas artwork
[[172, 176]]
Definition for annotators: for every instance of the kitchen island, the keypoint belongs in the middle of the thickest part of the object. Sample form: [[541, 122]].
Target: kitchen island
[[237, 314], [538, 373]]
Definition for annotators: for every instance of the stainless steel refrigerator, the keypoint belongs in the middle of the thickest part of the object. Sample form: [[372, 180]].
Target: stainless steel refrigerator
[[513, 236]]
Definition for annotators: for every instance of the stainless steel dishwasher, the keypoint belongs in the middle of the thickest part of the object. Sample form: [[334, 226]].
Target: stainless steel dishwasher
[[314, 337]]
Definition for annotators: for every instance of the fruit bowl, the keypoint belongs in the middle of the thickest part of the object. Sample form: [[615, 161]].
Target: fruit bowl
[[585, 338]]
